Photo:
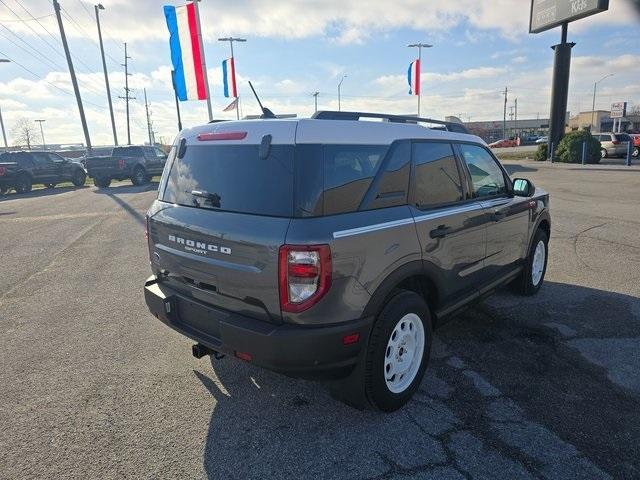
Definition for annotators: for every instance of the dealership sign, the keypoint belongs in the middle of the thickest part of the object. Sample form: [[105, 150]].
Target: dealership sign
[[619, 110], [546, 14]]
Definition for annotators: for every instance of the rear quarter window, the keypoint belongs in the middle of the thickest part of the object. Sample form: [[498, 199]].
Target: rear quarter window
[[348, 172]]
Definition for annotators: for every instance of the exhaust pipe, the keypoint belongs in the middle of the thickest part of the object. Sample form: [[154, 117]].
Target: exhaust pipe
[[198, 350]]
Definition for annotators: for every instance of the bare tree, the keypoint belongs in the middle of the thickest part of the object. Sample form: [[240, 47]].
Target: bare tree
[[24, 132]]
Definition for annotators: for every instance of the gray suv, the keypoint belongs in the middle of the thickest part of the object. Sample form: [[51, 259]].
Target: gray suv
[[331, 247]]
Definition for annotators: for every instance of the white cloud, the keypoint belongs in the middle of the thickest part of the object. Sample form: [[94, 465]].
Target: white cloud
[[520, 59]]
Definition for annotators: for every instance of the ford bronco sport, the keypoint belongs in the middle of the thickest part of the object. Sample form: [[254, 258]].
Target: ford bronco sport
[[331, 247]]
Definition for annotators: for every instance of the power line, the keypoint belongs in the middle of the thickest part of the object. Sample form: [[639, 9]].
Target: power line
[[37, 52], [2, 20], [44, 79]]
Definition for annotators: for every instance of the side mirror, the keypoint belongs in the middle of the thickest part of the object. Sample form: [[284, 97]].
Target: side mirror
[[523, 187]]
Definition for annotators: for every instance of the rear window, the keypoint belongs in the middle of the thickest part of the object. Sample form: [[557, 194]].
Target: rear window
[[127, 151], [623, 137], [236, 178]]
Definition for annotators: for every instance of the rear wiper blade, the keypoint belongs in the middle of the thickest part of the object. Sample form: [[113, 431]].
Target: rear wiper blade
[[214, 198]]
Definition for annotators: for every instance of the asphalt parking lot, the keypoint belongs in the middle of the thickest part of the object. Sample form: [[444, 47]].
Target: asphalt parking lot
[[93, 386]]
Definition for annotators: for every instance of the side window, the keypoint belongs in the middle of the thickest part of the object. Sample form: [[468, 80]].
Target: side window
[[348, 172], [486, 176], [437, 180], [41, 159], [159, 152], [55, 158]]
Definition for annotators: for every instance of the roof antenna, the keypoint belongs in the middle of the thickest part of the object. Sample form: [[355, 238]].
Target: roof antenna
[[266, 113]]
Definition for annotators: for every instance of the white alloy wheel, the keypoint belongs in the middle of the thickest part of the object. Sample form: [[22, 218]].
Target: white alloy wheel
[[404, 353], [537, 267]]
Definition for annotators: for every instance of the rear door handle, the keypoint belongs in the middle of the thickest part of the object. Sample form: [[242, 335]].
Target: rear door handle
[[499, 215], [440, 232]]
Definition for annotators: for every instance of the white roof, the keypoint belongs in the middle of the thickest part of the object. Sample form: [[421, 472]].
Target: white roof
[[312, 131]]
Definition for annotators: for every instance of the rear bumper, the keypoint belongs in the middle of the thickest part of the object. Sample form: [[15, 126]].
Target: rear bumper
[[300, 351]]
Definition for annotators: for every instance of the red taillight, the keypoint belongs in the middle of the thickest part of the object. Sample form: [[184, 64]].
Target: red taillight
[[208, 137], [350, 339], [304, 276], [3, 170], [244, 356], [120, 163], [616, 142]]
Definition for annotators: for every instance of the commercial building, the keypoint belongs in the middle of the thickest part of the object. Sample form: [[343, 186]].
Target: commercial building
[[491, 130], [602, 122]]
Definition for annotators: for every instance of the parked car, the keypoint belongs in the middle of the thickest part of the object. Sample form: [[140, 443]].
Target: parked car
[[503, 143], [544, 139], [613, 144], [21, 170], [635, 138], [331, 247], [139, 163]]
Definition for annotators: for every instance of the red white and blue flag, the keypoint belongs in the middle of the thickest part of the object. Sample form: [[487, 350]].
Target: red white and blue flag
[[229, 78], [413, 76], [187, 54]]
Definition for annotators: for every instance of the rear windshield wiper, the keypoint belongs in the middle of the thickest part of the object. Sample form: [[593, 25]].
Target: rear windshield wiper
[[214, 198]]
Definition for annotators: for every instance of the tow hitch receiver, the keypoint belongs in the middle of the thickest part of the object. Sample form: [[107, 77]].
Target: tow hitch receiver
[[198, 350]]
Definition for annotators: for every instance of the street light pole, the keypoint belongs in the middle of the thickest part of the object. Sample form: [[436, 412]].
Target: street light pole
[[315, 97], [231, 40], [106, 75], [593, 105], [339, 87], [44, 144], [4, 134], [420, 46]]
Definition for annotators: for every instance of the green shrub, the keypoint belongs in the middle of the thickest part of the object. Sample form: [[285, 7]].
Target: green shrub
[[570, 148], [541, 153]]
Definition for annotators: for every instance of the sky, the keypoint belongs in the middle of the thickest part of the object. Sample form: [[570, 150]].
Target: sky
[[297, 47]]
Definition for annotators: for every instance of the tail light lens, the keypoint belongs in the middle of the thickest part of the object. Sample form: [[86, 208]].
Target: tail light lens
[[120, 163], [3, 170], [304, 276]]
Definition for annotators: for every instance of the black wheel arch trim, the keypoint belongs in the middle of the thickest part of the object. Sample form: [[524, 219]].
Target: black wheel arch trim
[[395, 278]]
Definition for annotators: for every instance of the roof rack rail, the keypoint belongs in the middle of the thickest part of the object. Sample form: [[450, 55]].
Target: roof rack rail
[[333, 115]]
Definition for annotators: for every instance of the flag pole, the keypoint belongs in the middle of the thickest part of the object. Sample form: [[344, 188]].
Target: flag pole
[[419, 45], [419, 76], [231, 40], [204, 62]]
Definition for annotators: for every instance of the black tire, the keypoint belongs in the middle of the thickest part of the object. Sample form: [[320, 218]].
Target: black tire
[[23, 184], [378, 392], [636, 152], [603, 153], [524, 284], [139, 176], [79, 177], [4, 190], [102, 182]]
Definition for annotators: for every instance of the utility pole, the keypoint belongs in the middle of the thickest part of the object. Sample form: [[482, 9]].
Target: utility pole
[[339, 87], [146, 107], [504, 116], [315, 98], [515, 124], [175, 94], [420, 47], [126, 97], [231, 40], [4, 134], [106, 75], [74, 81], [44, 144]]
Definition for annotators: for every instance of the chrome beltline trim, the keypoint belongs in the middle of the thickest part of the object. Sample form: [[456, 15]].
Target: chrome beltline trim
[[406, 221]]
